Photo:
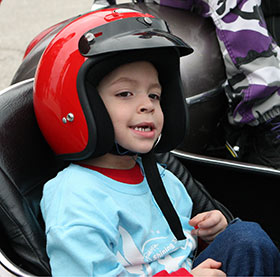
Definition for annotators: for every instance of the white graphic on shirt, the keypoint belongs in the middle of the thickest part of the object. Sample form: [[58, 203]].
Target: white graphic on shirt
[[133, 259], [171, 263], [160, 250]]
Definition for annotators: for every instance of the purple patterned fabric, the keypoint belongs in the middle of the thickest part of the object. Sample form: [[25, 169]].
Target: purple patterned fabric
[[250, 55], [251, 94], [244, 41]]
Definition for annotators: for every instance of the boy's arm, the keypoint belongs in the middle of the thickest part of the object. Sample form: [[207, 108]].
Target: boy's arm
[[79, 232], [79, 250]]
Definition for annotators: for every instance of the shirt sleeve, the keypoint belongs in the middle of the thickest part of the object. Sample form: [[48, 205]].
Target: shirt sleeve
[[81, 251]]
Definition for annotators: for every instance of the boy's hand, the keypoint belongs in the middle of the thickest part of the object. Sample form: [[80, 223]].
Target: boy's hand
[[208, 225], [208, 268]]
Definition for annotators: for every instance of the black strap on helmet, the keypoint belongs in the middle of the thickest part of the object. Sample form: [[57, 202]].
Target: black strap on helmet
[[160, 194]]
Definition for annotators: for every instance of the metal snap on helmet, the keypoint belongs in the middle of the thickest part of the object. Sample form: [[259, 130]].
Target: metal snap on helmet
[[68, 108]]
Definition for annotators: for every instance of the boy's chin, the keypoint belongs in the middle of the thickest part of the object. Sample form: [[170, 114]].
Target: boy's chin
[[141, 150]]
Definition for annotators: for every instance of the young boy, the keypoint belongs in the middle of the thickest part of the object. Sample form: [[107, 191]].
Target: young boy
[[103, 214]]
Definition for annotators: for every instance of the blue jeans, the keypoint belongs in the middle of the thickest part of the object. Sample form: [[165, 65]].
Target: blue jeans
[[244, 250]]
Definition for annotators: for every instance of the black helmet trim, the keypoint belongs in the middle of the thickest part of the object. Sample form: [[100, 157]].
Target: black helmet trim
[[101, 132], [130, 34]]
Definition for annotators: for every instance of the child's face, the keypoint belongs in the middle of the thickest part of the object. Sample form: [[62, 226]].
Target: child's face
[[131, 94]]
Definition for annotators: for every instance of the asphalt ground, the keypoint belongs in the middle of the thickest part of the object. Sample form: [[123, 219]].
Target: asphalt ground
[[22, 20]]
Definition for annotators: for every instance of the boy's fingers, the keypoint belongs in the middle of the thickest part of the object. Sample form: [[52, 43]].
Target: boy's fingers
[[206, 224], [210, 263], [196, 219], [205, 220]]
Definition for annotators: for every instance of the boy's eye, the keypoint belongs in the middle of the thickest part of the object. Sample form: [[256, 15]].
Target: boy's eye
[[154, 96], [124, 94]]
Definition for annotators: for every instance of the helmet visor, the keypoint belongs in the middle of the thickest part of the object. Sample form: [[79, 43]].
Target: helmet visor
[[131, 33]]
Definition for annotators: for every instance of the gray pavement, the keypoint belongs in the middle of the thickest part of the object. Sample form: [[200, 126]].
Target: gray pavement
[[22, 20]]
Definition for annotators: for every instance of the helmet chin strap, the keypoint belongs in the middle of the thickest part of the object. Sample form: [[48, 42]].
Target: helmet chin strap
[[121, 151]]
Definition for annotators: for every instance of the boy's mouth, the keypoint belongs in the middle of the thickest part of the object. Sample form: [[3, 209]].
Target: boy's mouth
[[143, 127]]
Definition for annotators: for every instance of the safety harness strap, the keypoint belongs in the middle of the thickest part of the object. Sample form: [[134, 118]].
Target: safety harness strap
[[160, 195]]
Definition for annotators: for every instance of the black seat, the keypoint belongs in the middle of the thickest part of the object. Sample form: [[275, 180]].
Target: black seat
[[26, 163]]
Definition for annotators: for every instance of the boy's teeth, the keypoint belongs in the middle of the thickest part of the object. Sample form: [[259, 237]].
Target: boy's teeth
[[142, 129]]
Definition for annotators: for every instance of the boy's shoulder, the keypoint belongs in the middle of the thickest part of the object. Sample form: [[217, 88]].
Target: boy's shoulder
[[72, 174], [66, 177], [74, 191], [72, 182]]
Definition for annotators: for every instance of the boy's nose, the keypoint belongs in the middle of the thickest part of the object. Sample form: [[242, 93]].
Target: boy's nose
[[146, 106]]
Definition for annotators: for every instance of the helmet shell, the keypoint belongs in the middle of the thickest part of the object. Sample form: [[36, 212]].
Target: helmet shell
[[67, 124], [202, 72]]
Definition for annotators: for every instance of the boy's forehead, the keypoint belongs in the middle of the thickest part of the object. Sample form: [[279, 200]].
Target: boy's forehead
[[126, 68], [128, 72]]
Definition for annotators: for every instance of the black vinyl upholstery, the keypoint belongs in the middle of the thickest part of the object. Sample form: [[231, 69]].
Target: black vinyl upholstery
[[26, 163]]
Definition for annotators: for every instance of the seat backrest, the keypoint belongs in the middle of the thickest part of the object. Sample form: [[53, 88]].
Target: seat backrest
[[26, 162]]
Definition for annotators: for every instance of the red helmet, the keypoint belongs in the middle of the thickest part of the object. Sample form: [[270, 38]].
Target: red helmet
[[68, 108]]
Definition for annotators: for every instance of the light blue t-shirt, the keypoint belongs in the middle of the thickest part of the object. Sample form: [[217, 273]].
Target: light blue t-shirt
[[98, 226]]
